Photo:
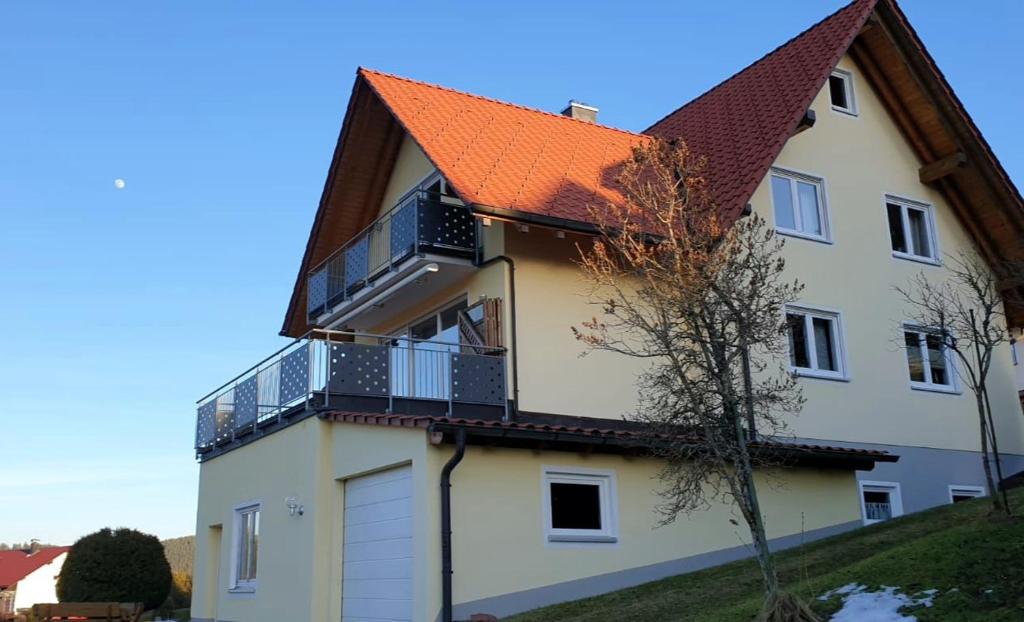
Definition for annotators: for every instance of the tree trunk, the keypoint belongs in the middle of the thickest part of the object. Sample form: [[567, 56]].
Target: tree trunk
[[1001, 491], [997, 502], [748, 393], [751, 508]]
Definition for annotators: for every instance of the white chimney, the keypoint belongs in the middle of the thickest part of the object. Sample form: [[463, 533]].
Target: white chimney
[[581, 111]]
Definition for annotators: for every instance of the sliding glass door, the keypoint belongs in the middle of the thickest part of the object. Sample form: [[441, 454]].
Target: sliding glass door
[[421, 355]]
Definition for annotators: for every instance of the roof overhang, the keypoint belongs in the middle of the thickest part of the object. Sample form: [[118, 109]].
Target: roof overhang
[[590, 435]]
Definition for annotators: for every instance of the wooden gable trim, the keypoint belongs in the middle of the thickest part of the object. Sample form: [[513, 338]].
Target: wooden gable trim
[[955, 158], [366, 151]]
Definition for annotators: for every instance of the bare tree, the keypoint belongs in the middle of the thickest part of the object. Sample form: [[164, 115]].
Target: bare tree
[[701, 302], [963, 315]]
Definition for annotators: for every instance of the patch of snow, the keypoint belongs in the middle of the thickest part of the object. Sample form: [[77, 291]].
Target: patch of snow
[[860, 605]]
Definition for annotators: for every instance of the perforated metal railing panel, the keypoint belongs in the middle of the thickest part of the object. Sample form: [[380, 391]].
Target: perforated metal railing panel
[[358, 369], [478, 379]]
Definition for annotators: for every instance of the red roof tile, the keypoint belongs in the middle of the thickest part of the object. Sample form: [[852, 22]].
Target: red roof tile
[[742, 124], [501, 155], [16, 565]]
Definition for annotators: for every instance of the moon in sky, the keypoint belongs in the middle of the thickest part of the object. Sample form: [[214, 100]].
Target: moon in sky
[[119, 184]]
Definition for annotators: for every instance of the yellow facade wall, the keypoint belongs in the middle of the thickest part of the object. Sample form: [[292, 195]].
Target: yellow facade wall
[[411, 167], [267, 471], [554, 375], [860, 159], [500, 545]]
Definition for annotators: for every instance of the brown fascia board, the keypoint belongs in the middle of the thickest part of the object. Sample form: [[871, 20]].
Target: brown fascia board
[[288, 327], [910, 44], [564, 440]]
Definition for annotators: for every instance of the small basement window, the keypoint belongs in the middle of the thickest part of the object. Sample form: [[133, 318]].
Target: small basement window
[[965, 493], [840, 87], [880, 501], [579, 506]]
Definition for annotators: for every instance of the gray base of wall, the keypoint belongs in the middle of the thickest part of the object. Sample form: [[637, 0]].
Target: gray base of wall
[[517, 602], [925, 474]]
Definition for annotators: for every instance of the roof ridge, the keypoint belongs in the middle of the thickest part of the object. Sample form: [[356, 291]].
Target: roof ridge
[[367, 70], [758, 61]]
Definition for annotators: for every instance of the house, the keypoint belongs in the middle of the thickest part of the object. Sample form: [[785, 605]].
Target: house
[[29, 576], [431, 446]]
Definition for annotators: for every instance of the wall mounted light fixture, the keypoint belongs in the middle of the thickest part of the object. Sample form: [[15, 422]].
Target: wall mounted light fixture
[[294, 507]]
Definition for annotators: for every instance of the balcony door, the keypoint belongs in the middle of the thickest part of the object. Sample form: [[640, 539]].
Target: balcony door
[[421, 355]]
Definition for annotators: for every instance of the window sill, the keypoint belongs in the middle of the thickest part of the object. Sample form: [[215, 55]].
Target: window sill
[[242, 589], [801, 372], [582, 538], [845, 112], [803, 236], [928, 388], [917, 258]]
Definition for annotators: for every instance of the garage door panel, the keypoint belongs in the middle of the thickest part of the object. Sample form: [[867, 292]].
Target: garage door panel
[[372, 513], [373, 479], [376, 608], [379, 569], [381, 530], [384, 491], [377, 588], [377, 563], [379, 549]]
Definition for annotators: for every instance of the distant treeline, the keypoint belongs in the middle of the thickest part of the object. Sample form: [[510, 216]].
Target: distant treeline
[[24, 546], [179, 552]]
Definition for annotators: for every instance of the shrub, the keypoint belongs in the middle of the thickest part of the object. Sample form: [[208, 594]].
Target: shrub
[[120, 565]]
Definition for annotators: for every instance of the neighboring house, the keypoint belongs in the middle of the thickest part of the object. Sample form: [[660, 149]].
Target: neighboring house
[[435, 390], [29, 577]]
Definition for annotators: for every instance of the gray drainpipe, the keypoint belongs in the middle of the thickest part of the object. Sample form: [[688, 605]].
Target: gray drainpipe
[[446, 524], [512, 326]]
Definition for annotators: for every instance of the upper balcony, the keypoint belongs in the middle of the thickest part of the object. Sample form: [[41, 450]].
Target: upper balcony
[[424, 233]]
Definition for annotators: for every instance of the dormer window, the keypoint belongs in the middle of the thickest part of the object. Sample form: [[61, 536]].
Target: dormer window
[[840, 86]]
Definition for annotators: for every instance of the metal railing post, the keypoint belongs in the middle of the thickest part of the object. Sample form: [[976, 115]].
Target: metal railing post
[[327, 376], [451, 384]]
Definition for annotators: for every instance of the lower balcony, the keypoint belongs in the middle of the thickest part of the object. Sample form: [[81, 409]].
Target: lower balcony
[[354, 371]]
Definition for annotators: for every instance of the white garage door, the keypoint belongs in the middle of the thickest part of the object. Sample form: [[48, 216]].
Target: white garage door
[[378, 547]]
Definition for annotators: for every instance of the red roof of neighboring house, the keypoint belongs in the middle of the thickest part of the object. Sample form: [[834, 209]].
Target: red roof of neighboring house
[[502, 155], [16, 565]]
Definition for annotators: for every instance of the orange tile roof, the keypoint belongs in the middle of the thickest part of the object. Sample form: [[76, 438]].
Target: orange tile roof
[[497, 154]]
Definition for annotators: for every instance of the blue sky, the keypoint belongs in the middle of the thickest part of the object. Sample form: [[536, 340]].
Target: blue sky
[[122, 307]]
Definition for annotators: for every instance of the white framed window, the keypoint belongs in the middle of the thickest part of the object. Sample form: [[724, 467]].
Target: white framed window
[[798, 201], [929, 362], [245, 547], [880, 501], [579, 505], [912, 229], [840, 87], [816, 345], [958, 493]]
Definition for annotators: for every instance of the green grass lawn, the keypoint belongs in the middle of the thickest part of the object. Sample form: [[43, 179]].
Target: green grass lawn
[[976, 563]]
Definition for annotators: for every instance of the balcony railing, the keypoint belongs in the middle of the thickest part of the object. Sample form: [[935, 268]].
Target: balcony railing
[[421, 223], [332, 366]]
